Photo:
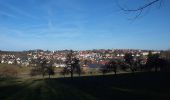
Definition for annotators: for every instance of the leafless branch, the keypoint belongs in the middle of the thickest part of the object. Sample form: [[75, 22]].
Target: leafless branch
[[140, 8]]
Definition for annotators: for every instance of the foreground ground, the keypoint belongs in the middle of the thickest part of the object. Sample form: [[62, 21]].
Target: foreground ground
[[140, 86]]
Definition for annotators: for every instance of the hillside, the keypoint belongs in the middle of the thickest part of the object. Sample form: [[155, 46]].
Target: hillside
[[141, 86]]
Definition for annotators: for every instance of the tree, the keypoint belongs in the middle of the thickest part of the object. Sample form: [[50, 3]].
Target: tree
[[65, 71], [153, 61], [69, 61], [47, 68], [36, 67], [111, 66], [76, 65], [140, 9], [50, 70], [164, 64], [86, 61], [129, 60], [104, 69], [123, 66], [42, 67], [165, 55], [72, 64]]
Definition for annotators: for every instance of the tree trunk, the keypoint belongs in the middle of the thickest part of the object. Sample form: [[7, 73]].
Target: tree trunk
[[79, 72], [48, 75], [156, 68], [71, 72], [115, 72], [72, 75], [43, 75]]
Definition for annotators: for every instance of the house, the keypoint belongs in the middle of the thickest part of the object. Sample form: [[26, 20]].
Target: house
[[145, 53], [25, 63], [10, 62], [3, 61], [59, 65]]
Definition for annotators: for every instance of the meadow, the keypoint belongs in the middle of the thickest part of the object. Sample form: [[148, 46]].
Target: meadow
[[138, 86]]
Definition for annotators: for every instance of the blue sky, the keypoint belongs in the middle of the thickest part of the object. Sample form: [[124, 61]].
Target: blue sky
[[82, 24]]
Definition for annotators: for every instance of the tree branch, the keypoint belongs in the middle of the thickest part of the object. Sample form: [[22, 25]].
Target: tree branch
[[140, 8]]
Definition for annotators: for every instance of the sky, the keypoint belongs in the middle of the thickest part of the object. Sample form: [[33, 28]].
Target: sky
[[83, 24]]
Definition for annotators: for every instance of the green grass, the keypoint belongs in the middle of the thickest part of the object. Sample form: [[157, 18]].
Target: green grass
[[141, 86]]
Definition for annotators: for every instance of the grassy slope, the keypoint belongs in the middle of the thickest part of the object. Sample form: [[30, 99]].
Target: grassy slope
[[19, 69], [142, 86]]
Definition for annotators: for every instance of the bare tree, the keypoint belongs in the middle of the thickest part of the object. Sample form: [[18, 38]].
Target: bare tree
[[155, 61], [64, 72], [104, 69], [42, 68], [72, 64], [36, 67], [140, 9], [129, 60], [111, 66]]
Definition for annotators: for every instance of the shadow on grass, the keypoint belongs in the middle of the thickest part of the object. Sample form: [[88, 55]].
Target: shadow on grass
[[141, 86]]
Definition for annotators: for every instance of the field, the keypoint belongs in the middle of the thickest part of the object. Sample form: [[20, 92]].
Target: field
[[138, 86]]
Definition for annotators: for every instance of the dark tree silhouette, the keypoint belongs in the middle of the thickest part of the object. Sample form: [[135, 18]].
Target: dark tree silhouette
[[140, 9], [153, 61], [72, 64], [47, 68], [65, 71], [111, 66], [76, 65], [50, 69], [36, 67], [123, 66], [129, 60], [104, 69], [69, 61], [42, 67], [165, 55]]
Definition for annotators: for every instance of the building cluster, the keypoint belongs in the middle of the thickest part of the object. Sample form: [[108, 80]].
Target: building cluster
[[93, 58]]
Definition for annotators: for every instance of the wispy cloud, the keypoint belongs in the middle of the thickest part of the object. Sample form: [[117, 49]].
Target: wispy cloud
[[16, 10], [49, 18], [40, 32], [6, 14]]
